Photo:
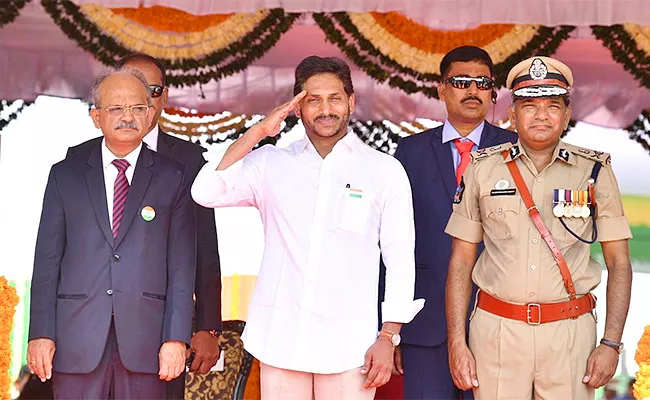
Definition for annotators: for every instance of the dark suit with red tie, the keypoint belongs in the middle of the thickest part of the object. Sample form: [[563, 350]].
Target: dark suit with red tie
[[91, 291], [430, 167]]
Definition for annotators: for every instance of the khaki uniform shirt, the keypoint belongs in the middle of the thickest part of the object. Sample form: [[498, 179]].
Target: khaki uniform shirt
[[517, 265]]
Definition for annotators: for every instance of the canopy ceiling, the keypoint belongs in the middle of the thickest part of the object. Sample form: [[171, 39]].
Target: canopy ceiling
[[36, 57]]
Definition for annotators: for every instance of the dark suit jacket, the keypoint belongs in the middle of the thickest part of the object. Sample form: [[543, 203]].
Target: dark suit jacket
[[145, 277], [207, 313], [429, 165]]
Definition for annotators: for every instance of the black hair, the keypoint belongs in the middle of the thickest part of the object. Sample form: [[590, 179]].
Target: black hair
[[314, 65], [465, 54]]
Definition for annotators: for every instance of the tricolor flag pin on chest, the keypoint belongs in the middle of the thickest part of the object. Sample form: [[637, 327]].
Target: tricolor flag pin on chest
[[148, 213]]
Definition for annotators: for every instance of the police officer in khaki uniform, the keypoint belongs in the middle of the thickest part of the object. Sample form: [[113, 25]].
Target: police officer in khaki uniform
[[536, 205]]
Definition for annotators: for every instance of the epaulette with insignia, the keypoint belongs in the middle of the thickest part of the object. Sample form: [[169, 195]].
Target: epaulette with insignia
[[481, 154], [598, 156]]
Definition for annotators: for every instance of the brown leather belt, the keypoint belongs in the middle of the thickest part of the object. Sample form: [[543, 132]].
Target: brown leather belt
[[535, 313]]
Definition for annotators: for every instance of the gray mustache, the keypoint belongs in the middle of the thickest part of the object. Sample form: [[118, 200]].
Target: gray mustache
[[126, 124]]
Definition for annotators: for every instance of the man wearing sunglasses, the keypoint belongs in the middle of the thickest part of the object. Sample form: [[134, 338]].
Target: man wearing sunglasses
[[207, 313], [434, 161]]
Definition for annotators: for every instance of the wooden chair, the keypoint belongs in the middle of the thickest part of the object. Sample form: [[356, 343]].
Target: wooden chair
[[230, 383]]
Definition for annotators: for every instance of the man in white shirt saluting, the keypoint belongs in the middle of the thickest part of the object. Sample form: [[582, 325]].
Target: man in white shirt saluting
[[326, 202]]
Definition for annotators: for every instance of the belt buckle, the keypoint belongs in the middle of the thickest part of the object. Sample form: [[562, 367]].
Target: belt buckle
[[529, 310]]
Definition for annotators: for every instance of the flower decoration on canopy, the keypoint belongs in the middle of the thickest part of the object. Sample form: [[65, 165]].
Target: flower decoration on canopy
[[629, 45], [10, 10], [194, 49], [394, 49], [10, 110]]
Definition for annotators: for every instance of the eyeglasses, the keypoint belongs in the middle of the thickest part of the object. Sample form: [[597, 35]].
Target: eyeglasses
[[464, 82], [118, 111], [156, 90]]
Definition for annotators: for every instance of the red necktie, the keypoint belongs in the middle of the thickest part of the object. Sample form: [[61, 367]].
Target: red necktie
[[120, 191], [464, 148]]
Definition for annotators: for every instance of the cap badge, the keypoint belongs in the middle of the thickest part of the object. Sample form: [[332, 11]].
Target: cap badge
[[538, 69]]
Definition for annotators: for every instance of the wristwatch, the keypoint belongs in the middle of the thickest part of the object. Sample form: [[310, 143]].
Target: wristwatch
[[393, 337], [614, 345]]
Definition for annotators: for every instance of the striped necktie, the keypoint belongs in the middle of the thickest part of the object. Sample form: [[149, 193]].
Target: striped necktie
[[120, 191]]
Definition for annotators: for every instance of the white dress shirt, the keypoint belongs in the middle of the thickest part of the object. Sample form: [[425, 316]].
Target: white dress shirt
[[110, 173], [314, 307], [151, 138], [449, 134]]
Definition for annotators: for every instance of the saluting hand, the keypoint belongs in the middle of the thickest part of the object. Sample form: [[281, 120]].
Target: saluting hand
[[462, 366], [270, 126]]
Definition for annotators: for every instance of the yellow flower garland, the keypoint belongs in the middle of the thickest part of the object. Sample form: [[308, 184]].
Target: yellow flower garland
[[8, 302], [499, 41], [641, 35]]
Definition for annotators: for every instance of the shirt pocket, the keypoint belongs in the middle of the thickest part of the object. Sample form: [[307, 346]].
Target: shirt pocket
[[500, 216], [580, 226], [354, 210]]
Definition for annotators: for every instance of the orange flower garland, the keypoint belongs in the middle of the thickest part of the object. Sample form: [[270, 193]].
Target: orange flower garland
[[170, 19], [8, 302], [434, 40], [642, 357]]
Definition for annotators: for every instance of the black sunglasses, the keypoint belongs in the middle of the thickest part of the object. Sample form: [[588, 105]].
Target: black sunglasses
[[156, 90], [464, 82]]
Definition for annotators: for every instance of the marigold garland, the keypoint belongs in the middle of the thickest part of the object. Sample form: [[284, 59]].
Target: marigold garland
[[8, 302], [189, 57], [437, 41], [629, 45], [642, 357], [170, 19], [387, 58]]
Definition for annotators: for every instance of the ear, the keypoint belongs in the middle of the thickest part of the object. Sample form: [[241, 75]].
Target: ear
[[165, 97], [296, 109], [94, 114], [441, 91], [567, 118], [351, 103], [151, 114], [511, 115]]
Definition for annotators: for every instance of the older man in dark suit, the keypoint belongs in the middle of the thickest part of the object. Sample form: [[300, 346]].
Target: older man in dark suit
[[207, 314], [114, 265], [434, 161]]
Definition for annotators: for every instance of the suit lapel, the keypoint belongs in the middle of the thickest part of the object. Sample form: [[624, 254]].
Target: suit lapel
[[445, 161], [139, 184], [488, 137], [165, 146], [97, 191]]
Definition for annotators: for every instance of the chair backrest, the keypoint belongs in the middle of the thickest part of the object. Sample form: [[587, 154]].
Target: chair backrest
[[231, 382]]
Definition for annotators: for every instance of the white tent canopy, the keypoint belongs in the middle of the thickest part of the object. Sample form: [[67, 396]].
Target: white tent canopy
[[36, 57]]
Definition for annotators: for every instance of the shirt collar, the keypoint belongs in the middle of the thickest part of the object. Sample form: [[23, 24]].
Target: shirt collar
[[108, 156], [561, 152], [349, 141], [151, 139], [450, 133]]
